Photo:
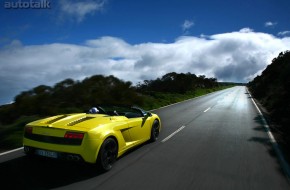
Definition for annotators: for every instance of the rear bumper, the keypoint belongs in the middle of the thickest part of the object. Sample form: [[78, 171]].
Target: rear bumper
[[56, 155], [87, 151]]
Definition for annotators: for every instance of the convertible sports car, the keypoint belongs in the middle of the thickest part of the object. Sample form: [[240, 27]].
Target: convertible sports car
[[100, 136]]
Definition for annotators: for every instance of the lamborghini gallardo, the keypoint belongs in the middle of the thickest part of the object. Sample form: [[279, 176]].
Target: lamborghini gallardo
[[98, 137]]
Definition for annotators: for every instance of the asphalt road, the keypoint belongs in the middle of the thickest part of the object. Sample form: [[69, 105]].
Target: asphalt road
[[212, 142]]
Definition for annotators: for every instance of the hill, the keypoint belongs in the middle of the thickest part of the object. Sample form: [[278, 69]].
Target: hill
[[70, 96]]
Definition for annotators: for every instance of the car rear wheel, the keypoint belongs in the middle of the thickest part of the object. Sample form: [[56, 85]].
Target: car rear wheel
[[108, 154], [155, 131]]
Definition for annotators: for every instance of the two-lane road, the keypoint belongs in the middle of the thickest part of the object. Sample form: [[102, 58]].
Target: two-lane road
[[212, 142]]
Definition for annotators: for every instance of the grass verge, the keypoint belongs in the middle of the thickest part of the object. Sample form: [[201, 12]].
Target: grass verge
[[154, 100], [11, 135]]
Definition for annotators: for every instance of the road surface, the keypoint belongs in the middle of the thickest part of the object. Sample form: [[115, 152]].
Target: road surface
[[212, 142]]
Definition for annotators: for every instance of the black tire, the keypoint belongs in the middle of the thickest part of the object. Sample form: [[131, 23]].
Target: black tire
[[107, 154], [155, 131]]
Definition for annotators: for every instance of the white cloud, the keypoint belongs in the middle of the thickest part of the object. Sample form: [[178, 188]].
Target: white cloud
[[235, 56], [78, 10], [246, 30], [187, 24], [270, 24], [284, 33]]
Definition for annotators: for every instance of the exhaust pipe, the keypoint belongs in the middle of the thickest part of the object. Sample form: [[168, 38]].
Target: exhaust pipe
[[26, 149], [71, 157], [76, 158]]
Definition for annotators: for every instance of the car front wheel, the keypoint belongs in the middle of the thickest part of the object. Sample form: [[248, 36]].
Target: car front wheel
[[155, 131]]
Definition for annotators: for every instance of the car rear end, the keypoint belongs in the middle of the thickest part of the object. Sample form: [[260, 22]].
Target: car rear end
[[61, 140]]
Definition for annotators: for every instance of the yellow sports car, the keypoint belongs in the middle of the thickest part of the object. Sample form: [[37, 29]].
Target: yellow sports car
[[99, 136]]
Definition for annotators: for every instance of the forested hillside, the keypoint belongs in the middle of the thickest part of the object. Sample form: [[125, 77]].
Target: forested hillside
[[70, 96], [178, 83], [272, 89]]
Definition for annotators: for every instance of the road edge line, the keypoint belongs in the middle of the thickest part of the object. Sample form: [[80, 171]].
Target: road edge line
[[284, 164], [10, 151]]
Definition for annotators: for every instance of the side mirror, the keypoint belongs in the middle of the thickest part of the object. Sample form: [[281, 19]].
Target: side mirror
[[147, 114]]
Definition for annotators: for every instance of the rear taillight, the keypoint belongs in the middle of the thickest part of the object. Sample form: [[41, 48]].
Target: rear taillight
[[74, 135], [28, 130]]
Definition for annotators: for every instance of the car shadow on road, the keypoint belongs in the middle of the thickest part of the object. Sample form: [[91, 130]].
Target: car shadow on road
[[41, 173], [31, 172]]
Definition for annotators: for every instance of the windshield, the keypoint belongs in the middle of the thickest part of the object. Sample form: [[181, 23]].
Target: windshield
[[129, 112]]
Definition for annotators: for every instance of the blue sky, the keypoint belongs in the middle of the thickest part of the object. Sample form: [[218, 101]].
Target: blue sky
[[142, 21], [137, 40]]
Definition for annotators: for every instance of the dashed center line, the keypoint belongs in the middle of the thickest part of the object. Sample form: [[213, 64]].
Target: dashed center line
[[178, 130], [207, 109], [172, 134]]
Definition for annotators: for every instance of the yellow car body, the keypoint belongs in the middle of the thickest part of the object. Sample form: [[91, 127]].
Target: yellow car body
[[81, 136]]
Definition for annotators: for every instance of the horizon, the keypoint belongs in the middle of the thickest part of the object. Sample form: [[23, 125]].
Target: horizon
[[134, 85]]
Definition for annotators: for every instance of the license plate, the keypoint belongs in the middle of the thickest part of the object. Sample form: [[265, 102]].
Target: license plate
[[46, 153]]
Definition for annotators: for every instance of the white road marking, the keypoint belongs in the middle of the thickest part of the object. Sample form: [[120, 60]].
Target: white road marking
[[207, 109], [14, 150], [172, 134], [283, 162]]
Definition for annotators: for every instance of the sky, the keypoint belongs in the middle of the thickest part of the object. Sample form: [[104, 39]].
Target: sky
[[43, 42]]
